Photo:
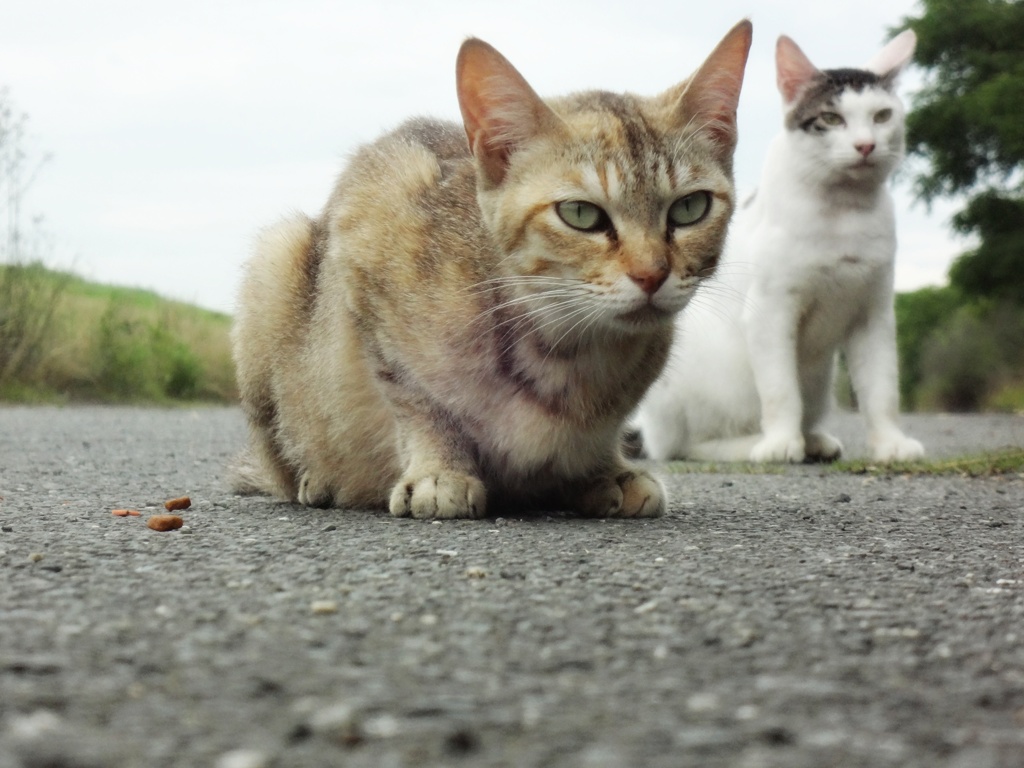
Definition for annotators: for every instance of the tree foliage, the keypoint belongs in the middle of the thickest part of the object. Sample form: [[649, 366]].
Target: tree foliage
[[966, 122]]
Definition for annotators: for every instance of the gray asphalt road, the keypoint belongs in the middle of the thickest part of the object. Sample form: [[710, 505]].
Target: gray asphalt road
[[798, 619]]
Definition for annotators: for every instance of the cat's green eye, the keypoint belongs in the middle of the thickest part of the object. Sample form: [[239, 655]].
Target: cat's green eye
[[883, 115], [831, 119], [579, 214], [689, 209]]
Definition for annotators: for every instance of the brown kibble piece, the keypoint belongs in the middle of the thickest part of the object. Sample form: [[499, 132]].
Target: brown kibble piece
[[165, 522], [119, 513], [183, 502]]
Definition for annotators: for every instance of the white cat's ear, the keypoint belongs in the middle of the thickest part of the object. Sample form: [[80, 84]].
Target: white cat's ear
[[896, 54], [499, 108], [793, 70], [711, 95]]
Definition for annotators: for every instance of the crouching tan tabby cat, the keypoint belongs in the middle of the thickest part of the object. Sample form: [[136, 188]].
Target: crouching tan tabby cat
[[808, 270], [471, 322]]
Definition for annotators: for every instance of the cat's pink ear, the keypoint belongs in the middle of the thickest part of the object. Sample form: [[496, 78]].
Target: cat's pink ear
[[793, 70], [896, 54], [499, 108], [712, 94]]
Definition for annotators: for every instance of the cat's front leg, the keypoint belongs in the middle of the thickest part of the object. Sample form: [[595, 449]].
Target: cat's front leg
[[439, 494], [771, 331], [871, 357], [631, 492], [440, 478]]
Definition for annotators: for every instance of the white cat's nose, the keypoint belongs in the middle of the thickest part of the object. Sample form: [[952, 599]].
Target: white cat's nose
[[865, 148]]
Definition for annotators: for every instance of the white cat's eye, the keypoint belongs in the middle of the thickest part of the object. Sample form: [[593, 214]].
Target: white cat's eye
[[579, 214], [883, 115], [689, 209], [831, 119]]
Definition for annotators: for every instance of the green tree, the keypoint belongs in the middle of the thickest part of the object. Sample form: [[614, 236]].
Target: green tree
[[966, 123]]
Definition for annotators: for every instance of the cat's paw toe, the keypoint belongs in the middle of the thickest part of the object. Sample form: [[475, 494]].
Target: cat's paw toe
[[443, 495], [821, 446], [314, 492], [897, 448], [779, 448], [634, 493]]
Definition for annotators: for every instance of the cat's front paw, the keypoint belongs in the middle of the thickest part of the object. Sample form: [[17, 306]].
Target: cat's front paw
[[441, 495], [779, 448], [897, 447], [633, 493], [821, 446], [314, 492]]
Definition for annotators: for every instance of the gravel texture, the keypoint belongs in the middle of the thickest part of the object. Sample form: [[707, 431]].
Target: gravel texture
[[802, 618]]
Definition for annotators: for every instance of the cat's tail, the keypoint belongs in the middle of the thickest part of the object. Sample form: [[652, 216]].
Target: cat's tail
[[246, 476], [725, 449], [260, 471]]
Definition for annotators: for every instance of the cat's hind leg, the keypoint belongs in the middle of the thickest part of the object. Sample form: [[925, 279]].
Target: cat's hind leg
[[821, 446], [816, 387], [631, 492]]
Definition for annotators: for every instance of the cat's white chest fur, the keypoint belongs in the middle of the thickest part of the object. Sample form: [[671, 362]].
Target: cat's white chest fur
[[815, 258]]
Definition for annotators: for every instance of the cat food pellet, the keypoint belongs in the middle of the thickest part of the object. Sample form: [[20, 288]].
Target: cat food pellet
[[125, 512], [165, 522], [182, 502], [320, 607]]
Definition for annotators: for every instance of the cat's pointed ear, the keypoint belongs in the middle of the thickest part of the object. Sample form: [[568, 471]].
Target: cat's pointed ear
[[499, 108], [793, 70], [711, 95], [896, 54]]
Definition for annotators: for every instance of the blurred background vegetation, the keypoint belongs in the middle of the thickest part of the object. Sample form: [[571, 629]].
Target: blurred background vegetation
[[63, 338], [961, 345]]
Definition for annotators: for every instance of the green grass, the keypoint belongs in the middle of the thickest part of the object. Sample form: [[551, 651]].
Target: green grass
[[123, 345], [725, 468], [1007, 462]]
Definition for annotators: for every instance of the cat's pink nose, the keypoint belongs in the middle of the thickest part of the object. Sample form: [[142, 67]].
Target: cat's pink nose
[[865, 149], [649, 280]]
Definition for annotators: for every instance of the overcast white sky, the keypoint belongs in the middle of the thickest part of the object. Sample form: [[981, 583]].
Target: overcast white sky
[[178, 129]]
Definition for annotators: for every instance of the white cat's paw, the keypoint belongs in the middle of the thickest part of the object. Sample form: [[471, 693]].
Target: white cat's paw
[[633, 493], [779, 447], [441, 495], [897, 447], [314, 492], [821, 446]]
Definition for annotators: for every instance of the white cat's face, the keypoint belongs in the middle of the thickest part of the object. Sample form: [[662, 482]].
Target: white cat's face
[[857, 135], [846, 125]]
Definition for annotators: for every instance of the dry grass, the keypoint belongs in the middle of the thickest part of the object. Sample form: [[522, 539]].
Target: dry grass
[[112, 344]]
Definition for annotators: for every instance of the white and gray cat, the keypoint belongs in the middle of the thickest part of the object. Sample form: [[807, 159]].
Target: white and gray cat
[[808, 271]]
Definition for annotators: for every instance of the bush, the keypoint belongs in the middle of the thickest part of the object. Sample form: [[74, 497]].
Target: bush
[[139, 359], [918, 315], [974, 361], [960, 364]]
